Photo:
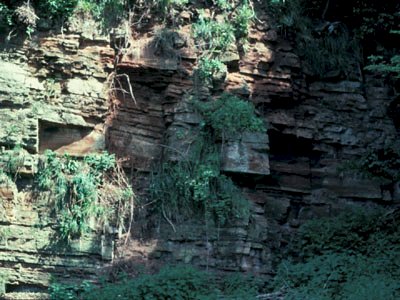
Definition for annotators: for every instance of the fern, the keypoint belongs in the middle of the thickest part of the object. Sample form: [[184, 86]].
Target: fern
[[94, 187]]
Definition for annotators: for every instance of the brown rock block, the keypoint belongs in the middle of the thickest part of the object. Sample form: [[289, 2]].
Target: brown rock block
[[248, 155], [7, 192]]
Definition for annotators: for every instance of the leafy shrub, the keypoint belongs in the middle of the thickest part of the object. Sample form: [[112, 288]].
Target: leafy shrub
[[5, 16], [213, 35], [327, 49], [13, 16], [244, 15], [170, 283], [60, 291], [341, 276], [55, 12], [11, 161], [368, 20], [229, 116], [25, 14], [382, 163], [216, 34], [56, 9], [289, 16], [179, 282], [166, 5], [94, 187], [108, 12], [196, 188], [335, 51], [223, 5], [375, 286], [353, 256], [208, 68], [378, 64], [350, 232], [389, 66], [373, 19]]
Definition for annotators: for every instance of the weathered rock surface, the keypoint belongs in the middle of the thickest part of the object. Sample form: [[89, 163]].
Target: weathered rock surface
[[42, 84], [248, 154], [52, 95], [50, 98], [290, 176]]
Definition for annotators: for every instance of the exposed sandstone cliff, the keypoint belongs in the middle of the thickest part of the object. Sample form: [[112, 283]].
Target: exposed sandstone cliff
[[53, 94]]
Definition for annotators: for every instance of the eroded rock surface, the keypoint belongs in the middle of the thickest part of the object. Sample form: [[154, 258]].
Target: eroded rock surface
[[53, 94]]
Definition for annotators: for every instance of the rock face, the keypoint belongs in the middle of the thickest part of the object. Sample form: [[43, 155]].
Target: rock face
[[53, 96], [291, 175], [247, 155]]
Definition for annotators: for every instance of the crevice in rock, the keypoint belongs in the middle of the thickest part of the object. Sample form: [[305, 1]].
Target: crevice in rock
[[55, 136]]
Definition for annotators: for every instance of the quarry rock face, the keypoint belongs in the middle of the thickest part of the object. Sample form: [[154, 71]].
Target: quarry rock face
[[70, 94]]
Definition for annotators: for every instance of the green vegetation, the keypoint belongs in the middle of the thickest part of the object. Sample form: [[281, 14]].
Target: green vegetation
[[216, 34], [56, 9], [106, 12], [93, 187], [167, 6], [5, 233], [195, 186], [11, 162], [223, 5], [109, 13], [388, 64], [353, 256], [378, 64], [331, 35], [330, 52], [384, 163], [180, 282], [372, 20], [60, 291], [327, 49], [369, 20], [197, 190], [26, 15], [379, 164], [213, 35], [5, 17], [229, 116], [210, 69], [241, 22]]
